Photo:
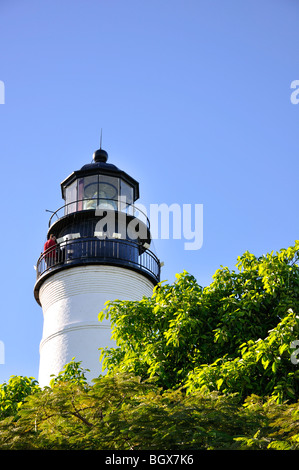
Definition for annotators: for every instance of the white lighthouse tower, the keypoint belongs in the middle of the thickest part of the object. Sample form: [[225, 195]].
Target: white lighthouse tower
[[102, 254]]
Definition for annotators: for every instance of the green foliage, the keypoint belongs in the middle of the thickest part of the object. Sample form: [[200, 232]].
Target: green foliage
[[155, 334], [13, 394], [124, 413], [280, 425], [264, 367], [193, 336], [194, 368], [72, 372]]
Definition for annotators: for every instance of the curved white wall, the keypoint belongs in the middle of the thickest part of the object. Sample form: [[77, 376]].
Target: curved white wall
[[71, 301]]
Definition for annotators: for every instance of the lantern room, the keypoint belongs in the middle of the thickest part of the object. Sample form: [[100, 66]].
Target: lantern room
[[99, 185]]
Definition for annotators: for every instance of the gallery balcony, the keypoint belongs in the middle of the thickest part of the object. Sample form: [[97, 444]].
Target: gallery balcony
[[86, 251]]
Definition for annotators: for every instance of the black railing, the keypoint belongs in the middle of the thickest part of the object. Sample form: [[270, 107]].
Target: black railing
[[96, 204], [99, 251]]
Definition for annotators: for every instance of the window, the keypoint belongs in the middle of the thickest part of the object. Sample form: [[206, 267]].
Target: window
[[71, 198], [90, 192], [126, 193], [108, 192]]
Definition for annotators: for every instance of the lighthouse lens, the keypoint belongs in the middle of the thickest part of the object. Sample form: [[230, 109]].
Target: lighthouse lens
[[107, 191], [91, 190]]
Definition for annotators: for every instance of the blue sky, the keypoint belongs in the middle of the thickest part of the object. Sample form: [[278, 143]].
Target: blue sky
[[194, 101]]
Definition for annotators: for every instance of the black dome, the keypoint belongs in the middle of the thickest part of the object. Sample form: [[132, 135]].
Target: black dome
[[100, 158], [100, 155]]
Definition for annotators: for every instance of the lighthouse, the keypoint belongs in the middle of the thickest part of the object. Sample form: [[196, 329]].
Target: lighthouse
[[98, 249]]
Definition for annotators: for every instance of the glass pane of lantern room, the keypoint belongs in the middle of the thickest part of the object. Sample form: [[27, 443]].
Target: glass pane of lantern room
[[90, 192], [71, 198], [108, 192], [126, 192]]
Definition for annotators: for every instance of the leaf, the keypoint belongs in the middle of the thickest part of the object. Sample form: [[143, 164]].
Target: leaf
[[282, 348], [265, 363], [219, 382]]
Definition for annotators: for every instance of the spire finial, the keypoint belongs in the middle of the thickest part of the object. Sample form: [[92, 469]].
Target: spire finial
[[100, 155]]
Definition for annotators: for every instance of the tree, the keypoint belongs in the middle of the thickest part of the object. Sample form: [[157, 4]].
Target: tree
[[183, 327], [263, 367], [13, 394], [124, 413]]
